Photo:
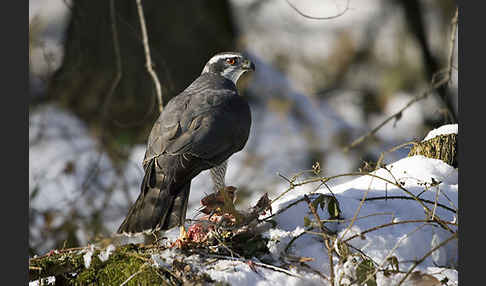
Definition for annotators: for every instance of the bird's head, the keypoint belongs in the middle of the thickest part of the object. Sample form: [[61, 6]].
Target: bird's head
[[230, 65]]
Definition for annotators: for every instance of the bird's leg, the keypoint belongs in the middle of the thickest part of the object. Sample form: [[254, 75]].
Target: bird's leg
[[217, 175]]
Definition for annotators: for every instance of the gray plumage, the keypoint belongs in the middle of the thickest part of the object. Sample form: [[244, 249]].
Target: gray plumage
[[198, 129]]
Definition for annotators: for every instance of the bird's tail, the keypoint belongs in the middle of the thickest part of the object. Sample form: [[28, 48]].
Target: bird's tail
[[156, 209]]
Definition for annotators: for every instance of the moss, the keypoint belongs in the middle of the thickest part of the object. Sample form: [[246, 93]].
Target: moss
[[56, 264], [118, 268], [123, 263]]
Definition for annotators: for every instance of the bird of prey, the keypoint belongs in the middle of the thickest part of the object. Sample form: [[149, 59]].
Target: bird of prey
[[198, 129]]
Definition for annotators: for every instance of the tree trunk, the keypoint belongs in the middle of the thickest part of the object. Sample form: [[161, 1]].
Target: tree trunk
[[442, 147]]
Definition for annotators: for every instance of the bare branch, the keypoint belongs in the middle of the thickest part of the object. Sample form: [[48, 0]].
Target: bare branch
[[148, 59], [388, 224], [116, 49], [409, 198], [319, 18]]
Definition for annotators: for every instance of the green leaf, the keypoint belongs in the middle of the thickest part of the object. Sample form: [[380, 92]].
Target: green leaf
[[365, 268], [333, 208]]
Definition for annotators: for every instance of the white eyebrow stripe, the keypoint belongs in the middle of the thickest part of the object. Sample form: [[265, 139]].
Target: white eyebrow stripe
[[216, 58], [223, 56]]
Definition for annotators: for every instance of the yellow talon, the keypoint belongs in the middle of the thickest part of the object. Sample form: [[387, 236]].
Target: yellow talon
[[183, 234]]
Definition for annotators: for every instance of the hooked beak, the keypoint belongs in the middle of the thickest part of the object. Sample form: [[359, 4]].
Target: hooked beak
[[248, 65]]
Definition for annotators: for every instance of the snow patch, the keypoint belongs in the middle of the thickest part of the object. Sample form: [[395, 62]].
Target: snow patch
[[443, 130], [51, 280], [105, 254], [88, 255]]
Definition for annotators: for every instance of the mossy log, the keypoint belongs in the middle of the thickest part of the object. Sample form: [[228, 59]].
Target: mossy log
[[127, 263], [134, 264], [111, 261], [442, 147]]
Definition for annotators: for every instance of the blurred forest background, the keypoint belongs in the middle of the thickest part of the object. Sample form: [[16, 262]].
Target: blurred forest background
[[327, 72]]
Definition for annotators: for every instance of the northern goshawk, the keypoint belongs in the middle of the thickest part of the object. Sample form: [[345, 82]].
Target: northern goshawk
[[198, 129]]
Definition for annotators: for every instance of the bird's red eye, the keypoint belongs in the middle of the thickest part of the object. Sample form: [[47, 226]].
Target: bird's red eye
[[231, 61]]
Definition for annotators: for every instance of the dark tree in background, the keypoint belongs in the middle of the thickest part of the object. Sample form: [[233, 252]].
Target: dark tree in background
[[415, 19], [182, 35]]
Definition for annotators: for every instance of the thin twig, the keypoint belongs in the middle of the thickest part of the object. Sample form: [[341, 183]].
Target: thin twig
[[133, 275], [358, 218], [436, 201], [287, 248], [116, 49], [148, 59], [319, 18], [57, 251], [425, 256], [325, 235], [382, 155], [348, 228], [292, 183], [409, 198], [283, 209], [396, 116], [387, 225]]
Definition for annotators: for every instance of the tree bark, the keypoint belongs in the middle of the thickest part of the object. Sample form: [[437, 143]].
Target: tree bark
[[442, 147]]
